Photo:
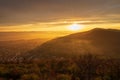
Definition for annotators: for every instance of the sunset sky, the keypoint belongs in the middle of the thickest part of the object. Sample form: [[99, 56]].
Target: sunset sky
[[58, 15]]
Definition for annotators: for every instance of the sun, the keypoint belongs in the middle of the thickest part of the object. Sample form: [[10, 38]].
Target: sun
[[75, 27]]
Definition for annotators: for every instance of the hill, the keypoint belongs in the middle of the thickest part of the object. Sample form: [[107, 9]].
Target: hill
[[97, 41]]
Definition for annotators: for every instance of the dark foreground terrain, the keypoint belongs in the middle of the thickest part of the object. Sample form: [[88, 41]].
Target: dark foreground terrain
[[84, 67]]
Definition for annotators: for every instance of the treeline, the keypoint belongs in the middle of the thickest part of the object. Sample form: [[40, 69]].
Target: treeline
[[85, 67]]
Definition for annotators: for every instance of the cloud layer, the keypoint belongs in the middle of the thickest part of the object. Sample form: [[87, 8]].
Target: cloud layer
[[16, 12]]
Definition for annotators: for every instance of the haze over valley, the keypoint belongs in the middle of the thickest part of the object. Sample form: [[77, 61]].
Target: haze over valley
[[96, 41]]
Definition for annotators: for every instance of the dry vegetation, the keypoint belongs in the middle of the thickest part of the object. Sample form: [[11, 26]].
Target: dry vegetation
[[85, 67]]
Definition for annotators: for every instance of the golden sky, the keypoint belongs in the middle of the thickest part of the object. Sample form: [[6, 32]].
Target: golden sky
[[58, 15]]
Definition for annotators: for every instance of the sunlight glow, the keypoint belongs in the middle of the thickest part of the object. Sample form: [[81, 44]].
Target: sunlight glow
[[75, 27]]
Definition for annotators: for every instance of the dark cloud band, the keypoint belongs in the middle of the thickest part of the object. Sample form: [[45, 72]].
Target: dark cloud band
[[14, 12]]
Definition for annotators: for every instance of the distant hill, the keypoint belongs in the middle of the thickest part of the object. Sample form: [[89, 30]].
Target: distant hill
[[97, 41]]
